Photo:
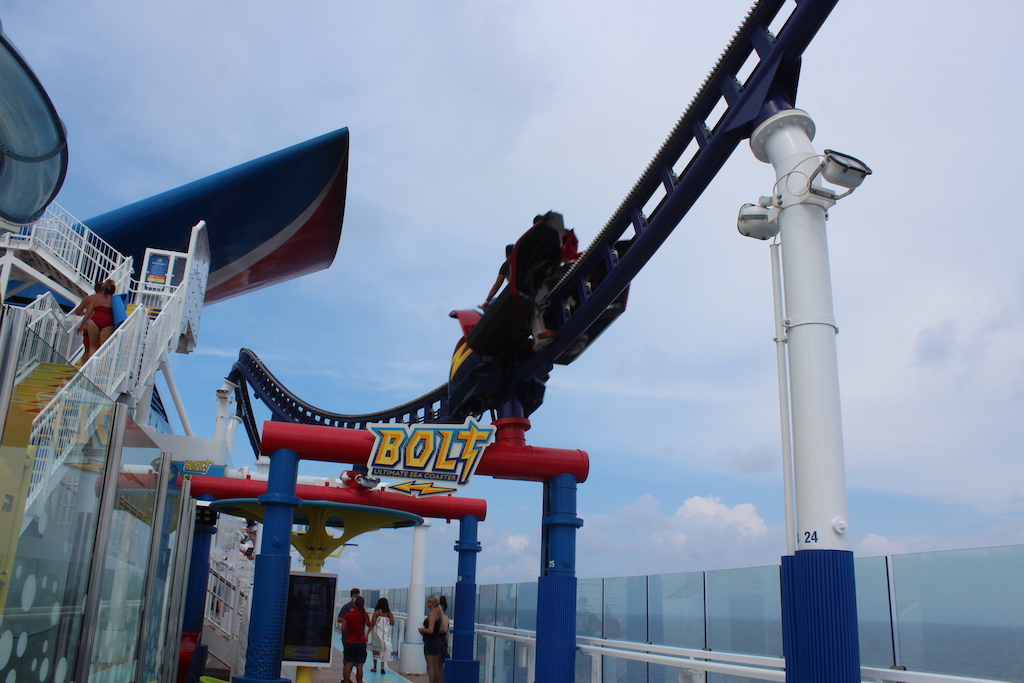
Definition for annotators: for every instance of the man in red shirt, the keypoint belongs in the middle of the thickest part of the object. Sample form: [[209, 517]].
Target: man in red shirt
[[353, 627]]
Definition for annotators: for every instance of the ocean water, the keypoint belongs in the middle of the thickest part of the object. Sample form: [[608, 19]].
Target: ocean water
[[995, 652]]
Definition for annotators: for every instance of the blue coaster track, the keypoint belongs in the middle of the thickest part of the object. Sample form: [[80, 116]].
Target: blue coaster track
[[594, 285]]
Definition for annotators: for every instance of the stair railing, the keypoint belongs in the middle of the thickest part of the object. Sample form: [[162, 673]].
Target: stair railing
[[72, 244], [126, 364], [53, 326]]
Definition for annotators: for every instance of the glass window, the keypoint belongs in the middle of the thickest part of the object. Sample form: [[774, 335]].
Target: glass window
[[873, 615], [961, 612], [52, 463], [163, 582], [126, 562]]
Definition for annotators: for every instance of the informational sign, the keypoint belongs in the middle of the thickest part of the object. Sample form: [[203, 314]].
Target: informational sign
[[433, 459], [157, 271], [309, 622]]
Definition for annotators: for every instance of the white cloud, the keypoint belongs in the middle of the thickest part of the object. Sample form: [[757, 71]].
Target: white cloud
[[874, 545], [703, 533]]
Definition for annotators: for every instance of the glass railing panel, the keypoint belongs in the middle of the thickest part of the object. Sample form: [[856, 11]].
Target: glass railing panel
[[676, 609], [675, 617], [744, 613], [51, 470], [126, 557], [625, 618], [589, 598], [526, 606], [873, 614], [505, 609], [486, 604], [961, 612], [449, 593], [504, 667], [160, 599]]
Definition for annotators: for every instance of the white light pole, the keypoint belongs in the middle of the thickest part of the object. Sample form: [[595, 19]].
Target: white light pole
[[819, 594]]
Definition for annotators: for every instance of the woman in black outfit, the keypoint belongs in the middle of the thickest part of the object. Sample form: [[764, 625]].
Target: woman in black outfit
[[433, 639]]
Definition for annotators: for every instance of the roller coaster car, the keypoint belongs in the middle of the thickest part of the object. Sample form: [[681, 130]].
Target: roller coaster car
[[495, 343]]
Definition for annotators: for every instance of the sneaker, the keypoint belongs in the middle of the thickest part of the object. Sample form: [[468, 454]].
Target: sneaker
[[544, 340]]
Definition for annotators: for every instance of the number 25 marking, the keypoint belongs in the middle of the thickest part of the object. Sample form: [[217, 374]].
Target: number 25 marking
[[810, 537]]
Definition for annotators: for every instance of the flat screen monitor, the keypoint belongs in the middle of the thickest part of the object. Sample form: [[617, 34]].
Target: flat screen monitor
[[309, 622]]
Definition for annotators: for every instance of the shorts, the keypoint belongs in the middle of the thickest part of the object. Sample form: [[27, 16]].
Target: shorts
[[433, 646], [355, 653]]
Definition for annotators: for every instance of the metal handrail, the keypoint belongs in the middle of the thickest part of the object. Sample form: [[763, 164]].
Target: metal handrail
[[70, 242], [125, 364], [748, 666]]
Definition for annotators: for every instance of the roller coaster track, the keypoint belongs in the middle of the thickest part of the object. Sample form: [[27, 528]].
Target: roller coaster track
[[285, 406], [687, 162], [755, 77]]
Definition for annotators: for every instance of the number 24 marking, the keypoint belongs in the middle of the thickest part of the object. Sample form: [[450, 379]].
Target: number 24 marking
[[810, 537]]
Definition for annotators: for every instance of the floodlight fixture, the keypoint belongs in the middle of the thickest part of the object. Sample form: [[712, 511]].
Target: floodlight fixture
[[842, 170], [758, 220]]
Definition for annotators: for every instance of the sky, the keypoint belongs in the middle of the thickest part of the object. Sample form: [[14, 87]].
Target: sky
[[469, 118]]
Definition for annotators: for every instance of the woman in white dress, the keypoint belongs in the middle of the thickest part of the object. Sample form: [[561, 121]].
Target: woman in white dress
[[380, 633]]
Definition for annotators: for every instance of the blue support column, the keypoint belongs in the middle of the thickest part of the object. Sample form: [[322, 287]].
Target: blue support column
[[195, 590], [273, 563], [462, 668], [556, 587], [824, 599], [788, 618]]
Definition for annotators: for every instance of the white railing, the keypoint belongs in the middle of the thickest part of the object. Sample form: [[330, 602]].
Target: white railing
[[694, 665], [64, 426], [68, 241], [225, 597], [52, 326], [129, 360], [125, 364]]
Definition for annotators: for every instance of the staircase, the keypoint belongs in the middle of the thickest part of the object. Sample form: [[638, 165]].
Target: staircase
[[72, 410], [59, 252]]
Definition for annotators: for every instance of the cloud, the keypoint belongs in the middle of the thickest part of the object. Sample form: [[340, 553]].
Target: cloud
[[703, 533], [873, 545]]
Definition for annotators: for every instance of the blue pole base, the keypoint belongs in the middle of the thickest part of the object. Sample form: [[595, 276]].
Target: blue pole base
[[556, 629], [461, 671], [824, 610]]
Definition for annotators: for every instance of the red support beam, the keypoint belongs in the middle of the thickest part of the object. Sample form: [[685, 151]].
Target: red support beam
[[436, 507], [507, 458]]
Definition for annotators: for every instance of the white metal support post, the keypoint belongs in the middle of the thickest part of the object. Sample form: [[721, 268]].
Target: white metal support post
[[412, 659], [819, 588]]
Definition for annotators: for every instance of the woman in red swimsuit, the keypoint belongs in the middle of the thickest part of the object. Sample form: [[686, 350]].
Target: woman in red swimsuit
[[97, 317]]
